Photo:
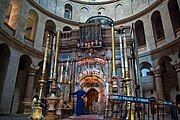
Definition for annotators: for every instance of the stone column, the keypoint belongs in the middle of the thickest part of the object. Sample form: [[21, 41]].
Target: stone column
[[148, 31], [38, 43], [9, 83], [158, 82], [29, 91], [177, 67]]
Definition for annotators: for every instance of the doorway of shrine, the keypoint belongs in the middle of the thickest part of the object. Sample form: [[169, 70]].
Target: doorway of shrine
[[95, 96], [92, 76], [92, 101]]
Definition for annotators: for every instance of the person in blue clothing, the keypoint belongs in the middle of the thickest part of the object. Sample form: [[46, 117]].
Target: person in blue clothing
[[80, 103]]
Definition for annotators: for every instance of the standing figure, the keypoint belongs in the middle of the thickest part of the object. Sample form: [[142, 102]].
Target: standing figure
[[80, 104]]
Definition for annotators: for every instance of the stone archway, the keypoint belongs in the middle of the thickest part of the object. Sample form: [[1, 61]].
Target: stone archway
[[169, 76], [92, 98], [94, 87], [20, 87], [91, 76]]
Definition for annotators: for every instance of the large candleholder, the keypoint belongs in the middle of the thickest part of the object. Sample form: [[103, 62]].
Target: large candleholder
[[36, 109], [114, 85], [51, 101], [59, 107]]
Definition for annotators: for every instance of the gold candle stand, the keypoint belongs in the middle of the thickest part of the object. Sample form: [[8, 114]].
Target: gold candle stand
[[36, 109]]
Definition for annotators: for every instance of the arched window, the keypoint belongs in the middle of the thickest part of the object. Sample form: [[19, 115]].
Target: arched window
[[145, 69], [165, 64], [31, 25], [67, 28], [13, 13], [8, 13], [157, 26], [139, 29], [174, 14], [84, 15], [49, 29], [68, 11], [119, 12], [66, 32], [102, 11]]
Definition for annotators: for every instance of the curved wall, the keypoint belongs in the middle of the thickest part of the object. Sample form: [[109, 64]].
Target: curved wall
[[124, 8]]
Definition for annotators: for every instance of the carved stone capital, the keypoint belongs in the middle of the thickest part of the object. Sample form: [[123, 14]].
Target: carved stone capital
[[176, 65], [157, 71], [32, 70]]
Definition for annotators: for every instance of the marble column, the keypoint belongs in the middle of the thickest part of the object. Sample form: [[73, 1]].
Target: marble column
[[158, 82], [177, 67], [29, 91]]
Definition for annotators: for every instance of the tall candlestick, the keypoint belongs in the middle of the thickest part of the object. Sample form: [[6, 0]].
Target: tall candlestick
[[42, 81], [113, 52], [61, 74], [66, 72], [122, 55], [52, 58], [76, 72], [126, 64], [37, 110], [56, 54]]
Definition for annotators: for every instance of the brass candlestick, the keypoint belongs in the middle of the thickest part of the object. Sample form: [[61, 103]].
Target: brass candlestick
[[36, 109], [114, 77], [126, 76], [52, 99]]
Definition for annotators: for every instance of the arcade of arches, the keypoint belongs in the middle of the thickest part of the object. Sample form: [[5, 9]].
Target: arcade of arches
[[150, 29]]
